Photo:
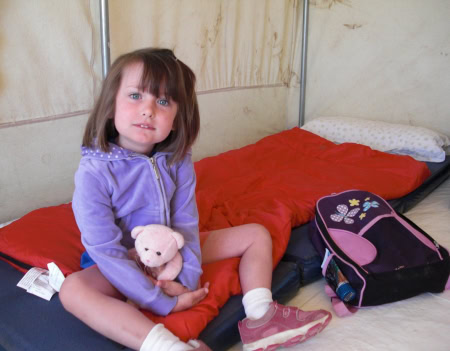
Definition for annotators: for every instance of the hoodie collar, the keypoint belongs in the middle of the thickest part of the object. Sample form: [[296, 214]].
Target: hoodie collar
[[115, 153]]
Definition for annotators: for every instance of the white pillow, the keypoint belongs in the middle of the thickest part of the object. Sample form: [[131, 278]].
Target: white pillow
[[421, 143]]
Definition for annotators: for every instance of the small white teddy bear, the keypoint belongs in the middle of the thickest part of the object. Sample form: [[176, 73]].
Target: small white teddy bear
[[157, 247]]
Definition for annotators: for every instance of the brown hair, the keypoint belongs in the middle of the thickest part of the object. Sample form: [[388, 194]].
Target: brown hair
[[161, 68]]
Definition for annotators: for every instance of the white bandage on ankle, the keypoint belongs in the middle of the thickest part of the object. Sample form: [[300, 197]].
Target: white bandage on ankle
[[257, 302], [160, 338]]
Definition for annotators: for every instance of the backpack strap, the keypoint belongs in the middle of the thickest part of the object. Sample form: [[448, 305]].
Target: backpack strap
[[339, 307]]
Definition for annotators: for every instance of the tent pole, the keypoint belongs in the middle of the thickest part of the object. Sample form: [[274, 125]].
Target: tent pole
[[104, 29], [301, 119]]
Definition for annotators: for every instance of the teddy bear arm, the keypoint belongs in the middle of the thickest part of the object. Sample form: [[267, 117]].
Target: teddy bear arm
[[172, 268]]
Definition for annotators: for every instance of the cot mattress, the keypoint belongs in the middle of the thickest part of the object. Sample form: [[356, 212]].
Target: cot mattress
[[28, 323], [55, 329]]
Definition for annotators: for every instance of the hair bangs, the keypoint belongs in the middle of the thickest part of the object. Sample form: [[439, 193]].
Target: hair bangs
[[160, 78]]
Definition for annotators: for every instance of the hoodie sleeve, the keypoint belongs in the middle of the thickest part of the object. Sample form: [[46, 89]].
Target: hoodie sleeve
[[101, 238], [184, 219]]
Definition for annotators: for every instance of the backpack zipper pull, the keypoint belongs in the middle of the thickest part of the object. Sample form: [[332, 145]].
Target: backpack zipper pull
[[155, 169]]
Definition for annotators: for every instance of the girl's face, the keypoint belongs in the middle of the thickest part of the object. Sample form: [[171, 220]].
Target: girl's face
[[141, 119]]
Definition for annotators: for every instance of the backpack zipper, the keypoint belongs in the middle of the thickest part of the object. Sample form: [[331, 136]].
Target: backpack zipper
[[424, 238]]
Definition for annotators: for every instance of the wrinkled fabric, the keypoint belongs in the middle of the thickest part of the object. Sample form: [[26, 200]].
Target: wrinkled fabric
[[275, 182]]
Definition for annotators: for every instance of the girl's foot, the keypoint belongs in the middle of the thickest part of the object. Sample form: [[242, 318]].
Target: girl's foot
[[281, 326]]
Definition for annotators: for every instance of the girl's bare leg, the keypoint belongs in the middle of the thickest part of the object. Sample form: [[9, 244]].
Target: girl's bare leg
[[251, 242], [89, 296], [266, 324]]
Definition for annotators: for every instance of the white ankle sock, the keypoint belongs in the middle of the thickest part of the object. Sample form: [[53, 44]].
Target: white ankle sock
[[160, 338], [257, 302]]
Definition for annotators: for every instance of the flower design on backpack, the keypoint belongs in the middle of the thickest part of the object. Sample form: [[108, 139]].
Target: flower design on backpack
[[342, 213]]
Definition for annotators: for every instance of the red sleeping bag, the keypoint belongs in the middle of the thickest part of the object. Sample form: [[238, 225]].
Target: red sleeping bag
[[274, 182]]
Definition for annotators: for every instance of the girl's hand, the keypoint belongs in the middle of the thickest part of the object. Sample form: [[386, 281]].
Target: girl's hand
[[191, 298], [169, 287], [172, 288]]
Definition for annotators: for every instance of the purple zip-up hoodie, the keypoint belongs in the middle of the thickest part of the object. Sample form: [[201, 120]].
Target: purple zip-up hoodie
[[119, 190]]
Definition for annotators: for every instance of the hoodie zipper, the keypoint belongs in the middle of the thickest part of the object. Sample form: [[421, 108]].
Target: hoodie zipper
[[161, 190], [152, 160], [155, 169]]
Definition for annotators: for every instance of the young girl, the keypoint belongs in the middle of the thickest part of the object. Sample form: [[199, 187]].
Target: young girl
[[136, 169]]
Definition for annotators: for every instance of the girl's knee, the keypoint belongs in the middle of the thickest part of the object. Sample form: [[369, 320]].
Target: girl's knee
[[69, 290], [260, 234], [85, 284]]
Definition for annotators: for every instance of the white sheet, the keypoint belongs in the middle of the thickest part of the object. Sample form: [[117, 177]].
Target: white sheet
[[416, 324]]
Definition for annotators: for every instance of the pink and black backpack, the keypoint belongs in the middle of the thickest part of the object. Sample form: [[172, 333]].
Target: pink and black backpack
[[373, 255]]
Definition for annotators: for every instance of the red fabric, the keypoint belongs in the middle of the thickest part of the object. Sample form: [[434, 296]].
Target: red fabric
[[277, 181], [49, 234], [274, 182]]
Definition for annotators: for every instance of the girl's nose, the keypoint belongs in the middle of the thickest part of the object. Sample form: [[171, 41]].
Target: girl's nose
[[147, 110]]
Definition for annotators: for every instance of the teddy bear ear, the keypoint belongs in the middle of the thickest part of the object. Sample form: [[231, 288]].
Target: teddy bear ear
[[179, 239], [136, 231]]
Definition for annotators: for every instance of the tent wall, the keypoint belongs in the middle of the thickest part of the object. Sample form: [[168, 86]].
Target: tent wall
[[384, 60], [50, 73], [241, 52]]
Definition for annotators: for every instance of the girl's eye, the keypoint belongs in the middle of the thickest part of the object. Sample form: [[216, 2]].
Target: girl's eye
[[163, 102], [135, 96]]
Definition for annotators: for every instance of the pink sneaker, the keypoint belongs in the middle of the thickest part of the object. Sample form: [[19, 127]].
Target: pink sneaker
[[199, 345], [281, 326]]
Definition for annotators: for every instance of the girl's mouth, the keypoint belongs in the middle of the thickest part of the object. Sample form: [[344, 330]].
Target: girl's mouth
[[144, 126]]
